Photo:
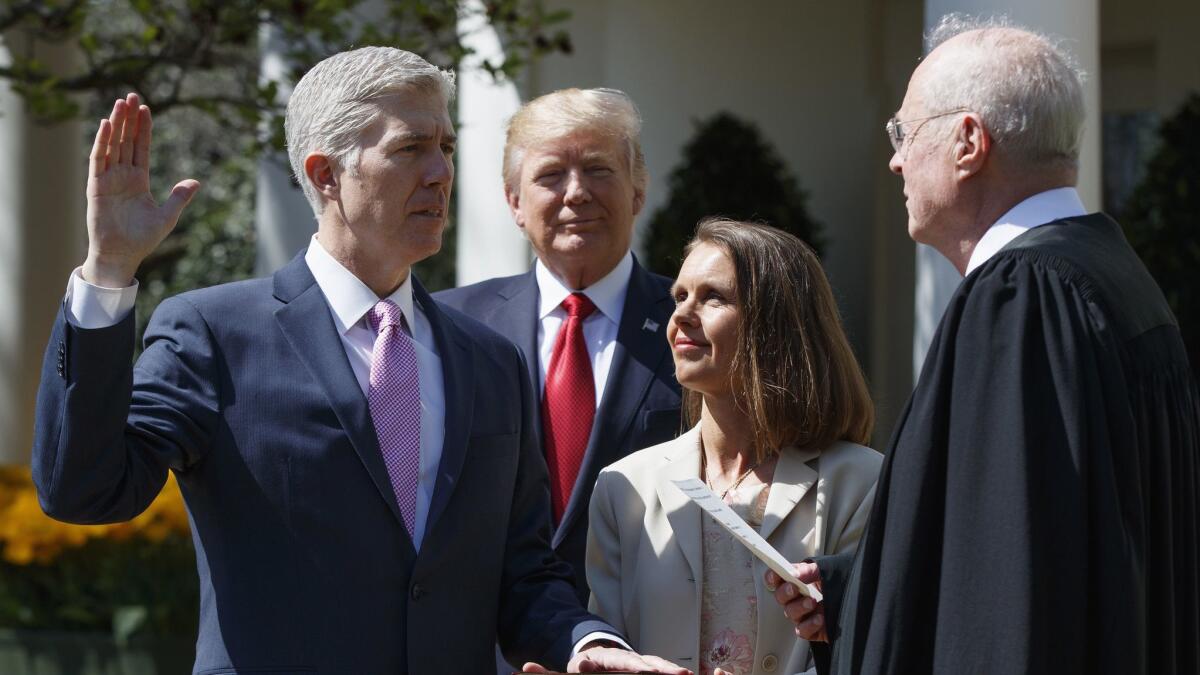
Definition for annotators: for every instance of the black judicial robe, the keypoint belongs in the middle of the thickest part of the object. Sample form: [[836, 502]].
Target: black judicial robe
[[1037, 510]]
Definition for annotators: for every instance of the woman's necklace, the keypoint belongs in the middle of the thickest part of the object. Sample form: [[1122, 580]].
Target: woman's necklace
[[732, 485]]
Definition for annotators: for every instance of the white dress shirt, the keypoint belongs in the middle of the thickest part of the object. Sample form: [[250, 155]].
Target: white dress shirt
[[599, 333], [599, 329], [349, 299], [1042, 208]]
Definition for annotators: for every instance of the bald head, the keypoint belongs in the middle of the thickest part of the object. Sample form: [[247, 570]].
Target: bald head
[[1027, 90]]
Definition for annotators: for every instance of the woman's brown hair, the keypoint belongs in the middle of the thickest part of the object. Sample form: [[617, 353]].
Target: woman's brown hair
[[794, 371]]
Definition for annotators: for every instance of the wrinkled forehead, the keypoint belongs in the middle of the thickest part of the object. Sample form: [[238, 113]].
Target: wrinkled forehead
[[585, 143]]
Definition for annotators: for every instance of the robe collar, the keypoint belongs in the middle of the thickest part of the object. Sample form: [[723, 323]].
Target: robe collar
[[1042, 208]]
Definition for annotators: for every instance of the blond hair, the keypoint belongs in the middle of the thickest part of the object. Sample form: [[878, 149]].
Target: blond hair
[[608, 112]]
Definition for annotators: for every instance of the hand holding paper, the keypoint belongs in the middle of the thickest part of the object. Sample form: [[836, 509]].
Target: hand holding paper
[[806, 613]]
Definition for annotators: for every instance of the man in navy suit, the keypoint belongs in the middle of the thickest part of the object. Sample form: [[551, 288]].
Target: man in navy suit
[[359, 463], [575, 179]]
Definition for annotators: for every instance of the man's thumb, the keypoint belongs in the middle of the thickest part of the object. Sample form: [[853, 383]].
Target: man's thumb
[[181, 194]]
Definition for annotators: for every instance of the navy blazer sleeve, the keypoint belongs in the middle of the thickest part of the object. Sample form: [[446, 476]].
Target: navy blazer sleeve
[[106, 434], [539, 608]]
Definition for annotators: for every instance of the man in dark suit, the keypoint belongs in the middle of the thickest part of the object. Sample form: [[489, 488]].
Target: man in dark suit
[[575, 179], [358, 462]]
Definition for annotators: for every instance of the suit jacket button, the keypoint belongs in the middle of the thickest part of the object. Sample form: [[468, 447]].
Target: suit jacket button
[[418, 591], [770, 663]]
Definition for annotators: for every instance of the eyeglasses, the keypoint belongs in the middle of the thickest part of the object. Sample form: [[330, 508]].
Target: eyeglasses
[[895, 128]]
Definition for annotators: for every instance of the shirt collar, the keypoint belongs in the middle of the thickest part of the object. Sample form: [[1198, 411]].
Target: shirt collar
[[1042, 208], [348, 297], [608, 294]]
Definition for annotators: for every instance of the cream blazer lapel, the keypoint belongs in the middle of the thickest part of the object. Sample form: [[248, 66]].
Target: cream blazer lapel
[[682, 461], [645, 553], [792, 480]]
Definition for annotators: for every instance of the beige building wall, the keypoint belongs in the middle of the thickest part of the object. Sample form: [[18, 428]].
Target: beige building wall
[[1150, 54]]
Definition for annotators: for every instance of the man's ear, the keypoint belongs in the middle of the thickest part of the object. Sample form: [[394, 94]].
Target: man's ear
[[639, 200], [318, 170], [513, 197], [972, 146]]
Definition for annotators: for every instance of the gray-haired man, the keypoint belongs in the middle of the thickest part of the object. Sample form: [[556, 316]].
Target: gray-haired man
[[358, 462], [1039, 508]]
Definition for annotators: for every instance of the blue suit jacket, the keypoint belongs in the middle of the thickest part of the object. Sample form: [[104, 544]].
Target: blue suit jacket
[[244, 390], [640, 405]]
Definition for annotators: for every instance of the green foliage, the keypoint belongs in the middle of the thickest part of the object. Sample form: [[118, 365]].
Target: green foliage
[[127, 587], [728, 169], [203, 54], [214, 241], [1162, 215], [196, 64]]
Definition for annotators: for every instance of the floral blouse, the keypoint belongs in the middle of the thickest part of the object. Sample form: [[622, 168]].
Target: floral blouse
[[729, 602]]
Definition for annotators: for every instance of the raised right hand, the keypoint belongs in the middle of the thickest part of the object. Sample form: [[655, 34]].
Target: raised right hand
[[124, 223]]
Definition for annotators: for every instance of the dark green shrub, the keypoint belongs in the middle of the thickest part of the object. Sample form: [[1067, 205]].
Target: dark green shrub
[[1162, 217], [730, 170]]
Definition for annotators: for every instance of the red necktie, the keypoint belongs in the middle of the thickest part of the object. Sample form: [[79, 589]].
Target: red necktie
[[569, 403]]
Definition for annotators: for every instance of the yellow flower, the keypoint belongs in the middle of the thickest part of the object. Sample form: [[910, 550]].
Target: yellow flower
[[27, 535]]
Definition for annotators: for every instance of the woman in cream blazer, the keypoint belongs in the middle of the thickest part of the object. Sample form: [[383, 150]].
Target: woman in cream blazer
[[761, 428]]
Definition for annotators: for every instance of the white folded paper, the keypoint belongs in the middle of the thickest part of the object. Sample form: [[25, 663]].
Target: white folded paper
[[698, 492]]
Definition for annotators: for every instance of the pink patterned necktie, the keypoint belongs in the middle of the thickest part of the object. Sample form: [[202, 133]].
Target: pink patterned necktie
[[394, 398], [568, 404]]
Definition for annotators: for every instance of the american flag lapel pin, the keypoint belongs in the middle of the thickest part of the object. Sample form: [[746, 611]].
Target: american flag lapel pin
[[650, 325]]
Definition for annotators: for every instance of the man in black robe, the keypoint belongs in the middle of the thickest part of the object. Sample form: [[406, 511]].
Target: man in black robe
[[1037, 510]]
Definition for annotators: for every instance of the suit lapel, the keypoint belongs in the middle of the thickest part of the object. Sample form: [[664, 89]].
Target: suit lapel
[[306, 323], [793, 479], [637, 355], [682, 513], [516, 318], [457, 355]]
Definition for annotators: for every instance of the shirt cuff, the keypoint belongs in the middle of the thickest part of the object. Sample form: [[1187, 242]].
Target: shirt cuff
[[89, 306], [598, 635]]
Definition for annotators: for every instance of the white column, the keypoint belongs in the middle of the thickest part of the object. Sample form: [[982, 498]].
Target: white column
[[1078, 21], [489, 243], [936, 281], [283, 220], [42, 238]]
